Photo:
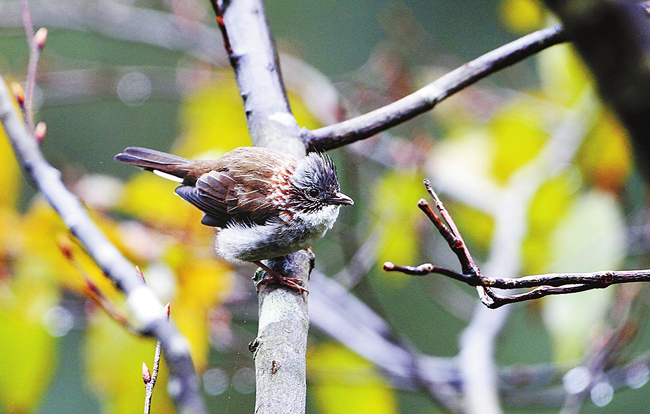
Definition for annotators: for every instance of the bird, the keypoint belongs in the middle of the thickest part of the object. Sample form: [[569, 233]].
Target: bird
[[263, 203]]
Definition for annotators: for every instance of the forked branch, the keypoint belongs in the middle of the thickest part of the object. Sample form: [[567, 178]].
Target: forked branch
[[542, 285]]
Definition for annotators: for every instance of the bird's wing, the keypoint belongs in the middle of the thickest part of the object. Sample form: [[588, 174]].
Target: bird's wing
[[223, 199]]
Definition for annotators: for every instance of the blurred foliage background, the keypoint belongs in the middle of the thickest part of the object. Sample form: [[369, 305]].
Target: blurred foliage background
[[538, 175]]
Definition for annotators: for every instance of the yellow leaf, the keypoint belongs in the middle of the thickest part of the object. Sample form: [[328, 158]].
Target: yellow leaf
[[519, 135], [203, 284], [9, 173], [344, 383], [397, 215], [547, 208], [476, 226], [564, 76], [152, 199], [301, 112], [42, 229], [212, 119], [522, 16], [605, 157]]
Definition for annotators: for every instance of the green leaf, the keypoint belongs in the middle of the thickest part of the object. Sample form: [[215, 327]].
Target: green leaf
[[343, 382], [27, 350]]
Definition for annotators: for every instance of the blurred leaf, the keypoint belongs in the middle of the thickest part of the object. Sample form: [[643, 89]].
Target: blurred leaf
[[27, 350], [549, 205], [43, 230], [591, 237], [476, 226], [212, 120], [397, 215], [519, 134], [9, 173], [152, 199], [301, 112], [203, 285], [343, 382], [114, 360], [605, 157], [564, 76], [522, 16]]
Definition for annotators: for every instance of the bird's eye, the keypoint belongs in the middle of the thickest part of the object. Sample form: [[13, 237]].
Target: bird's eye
[[313, 192]]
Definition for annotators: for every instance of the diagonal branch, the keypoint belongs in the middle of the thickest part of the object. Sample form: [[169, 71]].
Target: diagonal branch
[[144, 304], [423, 100]]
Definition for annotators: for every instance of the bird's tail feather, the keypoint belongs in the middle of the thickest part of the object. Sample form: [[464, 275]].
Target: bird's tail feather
[[155, 161]]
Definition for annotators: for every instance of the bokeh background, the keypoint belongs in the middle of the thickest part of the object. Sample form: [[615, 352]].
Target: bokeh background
[[537, 173]]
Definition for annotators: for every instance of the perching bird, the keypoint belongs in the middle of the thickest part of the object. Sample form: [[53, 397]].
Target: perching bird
[[266, 204]]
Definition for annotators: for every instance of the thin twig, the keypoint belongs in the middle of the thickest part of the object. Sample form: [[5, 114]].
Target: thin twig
[[36, 43], [150, 378], [543, 285], [367, 125]]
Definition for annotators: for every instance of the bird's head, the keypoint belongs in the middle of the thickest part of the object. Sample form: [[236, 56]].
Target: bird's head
[[315, 184]]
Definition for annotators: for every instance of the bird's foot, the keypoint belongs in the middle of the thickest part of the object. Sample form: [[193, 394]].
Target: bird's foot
[[276, 278]]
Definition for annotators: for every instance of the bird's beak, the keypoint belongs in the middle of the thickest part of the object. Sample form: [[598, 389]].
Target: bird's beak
[[340, 198]]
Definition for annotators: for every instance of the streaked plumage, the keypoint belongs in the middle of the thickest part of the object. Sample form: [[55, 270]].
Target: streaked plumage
[[265, 203]]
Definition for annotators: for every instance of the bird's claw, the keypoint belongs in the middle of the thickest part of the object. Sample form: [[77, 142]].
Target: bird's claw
[[279, 279]]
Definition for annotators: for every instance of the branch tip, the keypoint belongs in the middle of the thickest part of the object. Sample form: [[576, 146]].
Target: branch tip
[[94, 289], [40, 131], [19, 93], [138, 272], [40, 38], [66, 248], [146, 374], [389, 266]]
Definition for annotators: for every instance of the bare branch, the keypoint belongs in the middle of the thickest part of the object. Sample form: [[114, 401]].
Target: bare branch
[[544, 285], [252, 54], [381, 119], [151, 378], [36, 43]]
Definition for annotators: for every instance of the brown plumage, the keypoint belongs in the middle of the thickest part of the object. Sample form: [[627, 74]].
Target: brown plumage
[[236, 187], [265, 203]]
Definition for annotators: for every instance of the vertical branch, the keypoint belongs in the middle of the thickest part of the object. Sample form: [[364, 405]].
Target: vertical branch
[[280, 348], [253, 56]]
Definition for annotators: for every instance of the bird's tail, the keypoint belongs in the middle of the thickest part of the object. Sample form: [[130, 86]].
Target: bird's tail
[[156, 161]]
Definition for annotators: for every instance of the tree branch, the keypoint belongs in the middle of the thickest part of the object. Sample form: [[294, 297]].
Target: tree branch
[[252, 54], [544, 285], [145, 306], [280, 348], [381, 119]]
